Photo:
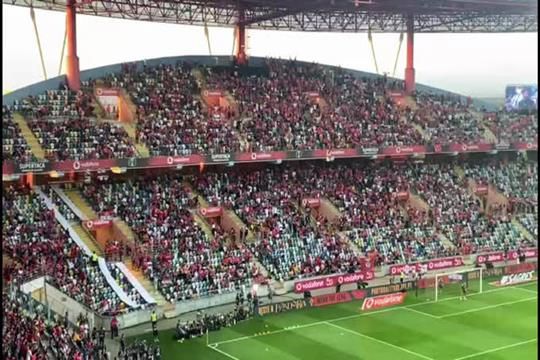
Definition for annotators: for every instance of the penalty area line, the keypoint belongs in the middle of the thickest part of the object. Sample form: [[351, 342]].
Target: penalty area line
[[379, 341], [214, 347], [496, 349]]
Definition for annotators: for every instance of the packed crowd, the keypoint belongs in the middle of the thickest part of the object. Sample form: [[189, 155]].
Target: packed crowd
[[513, 127], [516, 179], [32, 236], [14, 145], [169, 110], [295, 106], [28, 333], [289, 244], [283, 105], [446, 120], [172, 248], [81, 138]]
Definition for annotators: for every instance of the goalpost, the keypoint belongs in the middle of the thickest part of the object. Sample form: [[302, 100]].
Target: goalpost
[[448, 284]]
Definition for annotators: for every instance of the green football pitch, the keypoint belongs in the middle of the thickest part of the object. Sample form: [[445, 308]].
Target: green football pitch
[[498, 324]]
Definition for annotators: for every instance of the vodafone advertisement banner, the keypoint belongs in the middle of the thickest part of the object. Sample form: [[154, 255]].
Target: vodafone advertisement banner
[[331, 281], [431, 265], [210, 212], [377, 302], [95, 224], [337, 298], [311, 202]]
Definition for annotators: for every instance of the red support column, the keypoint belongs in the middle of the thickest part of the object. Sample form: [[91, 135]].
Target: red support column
[[72, 60], [240, 52], [410, 84]]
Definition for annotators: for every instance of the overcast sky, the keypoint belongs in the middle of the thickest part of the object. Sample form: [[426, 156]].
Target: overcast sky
[[479, 65]]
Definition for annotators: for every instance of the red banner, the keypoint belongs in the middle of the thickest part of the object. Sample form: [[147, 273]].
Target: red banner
[[95, 224], [337, 298], [470, 147], [431, 265], [311, 202], [212, 93], [495, 257], [402, 195], [335, 153], [519, 268], [211, 212], [525, 146], [164, 161], [331, 281], [481, 190], [106, 92], [84, 165], [404, 150], [377, 302], [262, 156]]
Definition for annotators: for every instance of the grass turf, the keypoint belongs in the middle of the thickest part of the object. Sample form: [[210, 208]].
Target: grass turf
[[499, 324]]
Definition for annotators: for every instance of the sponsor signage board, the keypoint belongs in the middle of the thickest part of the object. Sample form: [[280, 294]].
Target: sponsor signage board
[[431, 265], [378, 302], [331, 281], [517, 278]]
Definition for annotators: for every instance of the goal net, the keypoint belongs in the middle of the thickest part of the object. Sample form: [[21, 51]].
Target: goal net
[[448, 285]]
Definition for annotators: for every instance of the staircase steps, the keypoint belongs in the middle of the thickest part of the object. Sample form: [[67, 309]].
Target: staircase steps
[[489, 135], [88, 239], [250, 236], [125, 229], [203, 224], [523, 231], [141, 148], [445, 241], [459, 172], [345, 239], [409, 101], [199, 77], [29, 137], [75, 196], [420, 130], [145, 283]]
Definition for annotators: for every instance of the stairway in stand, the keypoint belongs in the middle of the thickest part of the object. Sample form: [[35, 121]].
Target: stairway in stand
[[522, 230], [29, 137], [87, 239], [141, 148], [75, 196], [146, 283]]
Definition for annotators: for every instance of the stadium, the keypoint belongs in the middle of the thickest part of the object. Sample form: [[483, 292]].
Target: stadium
[[242, 207]]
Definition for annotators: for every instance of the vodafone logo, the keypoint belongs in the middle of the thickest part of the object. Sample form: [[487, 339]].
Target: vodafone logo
[[90, 224], [205, 92], [368, 304], [340, 280], [430, 265], [170, 160], [298, 287], [253, 156], [398, 150], [481, 259], [76, 165], [529, 146], [304, 202], [99, 92], [464, 147], [203, 211]]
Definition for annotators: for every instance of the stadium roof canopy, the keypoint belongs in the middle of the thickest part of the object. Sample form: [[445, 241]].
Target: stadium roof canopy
[[430, 16]]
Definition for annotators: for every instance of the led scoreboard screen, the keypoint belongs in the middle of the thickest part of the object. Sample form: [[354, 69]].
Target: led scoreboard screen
[[521, 98]]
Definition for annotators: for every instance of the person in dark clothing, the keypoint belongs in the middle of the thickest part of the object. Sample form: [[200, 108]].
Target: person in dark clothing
[[122, 344]]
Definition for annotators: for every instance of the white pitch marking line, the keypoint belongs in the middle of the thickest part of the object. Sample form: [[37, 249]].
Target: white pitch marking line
[[223, 352], [496, 349], [379, 341], [486, 307], [527, 290], [422, 313], [359, 315]]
